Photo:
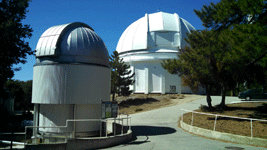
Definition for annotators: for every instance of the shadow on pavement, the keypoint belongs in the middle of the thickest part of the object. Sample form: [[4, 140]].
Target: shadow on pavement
[[243, 100], [137, 102], [145, 131], [151, 130]]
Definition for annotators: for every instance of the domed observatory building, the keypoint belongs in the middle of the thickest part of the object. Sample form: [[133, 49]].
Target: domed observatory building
[[70, 78], [148, 41]]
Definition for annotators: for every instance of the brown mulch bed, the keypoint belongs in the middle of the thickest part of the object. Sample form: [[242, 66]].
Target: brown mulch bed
[[233, 125], [145, 102], [136, 103]]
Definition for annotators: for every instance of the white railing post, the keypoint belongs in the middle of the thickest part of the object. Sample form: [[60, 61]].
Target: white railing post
[[121, 125], [127, 121], [100, 127], [182, 117], [251, 128], [130, 122], [114, 126], [66, 135], [106, 127], [192, 119], [215, 122], [25, 136]]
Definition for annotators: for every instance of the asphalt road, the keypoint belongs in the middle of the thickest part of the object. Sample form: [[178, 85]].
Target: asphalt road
[[157, 129]]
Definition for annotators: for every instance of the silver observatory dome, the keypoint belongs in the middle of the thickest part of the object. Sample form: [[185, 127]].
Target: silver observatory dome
[[70, 78], [71, 43]]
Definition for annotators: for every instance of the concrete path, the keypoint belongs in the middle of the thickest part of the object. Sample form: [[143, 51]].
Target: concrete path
[[157, 129]]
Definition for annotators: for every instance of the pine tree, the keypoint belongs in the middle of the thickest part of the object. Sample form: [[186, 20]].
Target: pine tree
[[242, 25], [224, 53], [14, 49], [121, 76], [194, 61]]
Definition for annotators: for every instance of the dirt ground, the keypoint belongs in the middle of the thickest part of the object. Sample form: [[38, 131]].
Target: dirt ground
[[231, 125], [136, 103]]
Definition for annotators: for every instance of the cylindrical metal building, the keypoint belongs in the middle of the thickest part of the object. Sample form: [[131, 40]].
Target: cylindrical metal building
[[70, 77]]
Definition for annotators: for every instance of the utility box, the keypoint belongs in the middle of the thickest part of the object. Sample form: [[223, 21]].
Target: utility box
[[109, 109]]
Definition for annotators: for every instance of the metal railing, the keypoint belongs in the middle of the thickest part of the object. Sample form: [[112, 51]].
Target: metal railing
[[71, 134], [216, 116]]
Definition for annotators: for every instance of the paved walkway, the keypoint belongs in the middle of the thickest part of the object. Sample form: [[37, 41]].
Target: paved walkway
[[157, 129]]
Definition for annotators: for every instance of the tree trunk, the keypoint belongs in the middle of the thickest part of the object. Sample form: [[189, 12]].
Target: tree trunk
[[208, 96], [222, 105], [113, 96]]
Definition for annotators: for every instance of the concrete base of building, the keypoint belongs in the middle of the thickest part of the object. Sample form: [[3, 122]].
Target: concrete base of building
[[224, 136], [84, 143]]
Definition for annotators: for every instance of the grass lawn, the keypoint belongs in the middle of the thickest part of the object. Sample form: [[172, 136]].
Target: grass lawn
[[232, 125]]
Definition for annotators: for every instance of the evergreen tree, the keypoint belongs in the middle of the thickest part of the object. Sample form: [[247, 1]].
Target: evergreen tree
[[27, 89], [195, 61], [22, 93], [14, 49], [233, 43], [15, 89], [121, 76], [241, 24]]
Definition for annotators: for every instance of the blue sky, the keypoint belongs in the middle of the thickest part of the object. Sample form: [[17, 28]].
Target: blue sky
[[109, 18]]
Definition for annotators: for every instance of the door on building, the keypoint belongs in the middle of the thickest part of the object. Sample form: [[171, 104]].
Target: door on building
[[155, 78], [140, 78]]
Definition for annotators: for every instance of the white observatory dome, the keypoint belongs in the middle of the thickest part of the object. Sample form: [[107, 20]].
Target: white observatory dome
[[73, 42], [72, 66], [148, 41], [157, 32], [70, 78]]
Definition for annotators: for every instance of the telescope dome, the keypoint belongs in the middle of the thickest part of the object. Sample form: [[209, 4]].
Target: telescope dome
[[157, 32], [71, 43]]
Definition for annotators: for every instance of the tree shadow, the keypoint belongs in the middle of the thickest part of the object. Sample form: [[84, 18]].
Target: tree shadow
[[137, 102], [260, 112], [226, 118], [243, 100]]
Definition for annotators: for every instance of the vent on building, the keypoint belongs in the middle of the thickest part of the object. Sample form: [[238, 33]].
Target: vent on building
[[172, 89]]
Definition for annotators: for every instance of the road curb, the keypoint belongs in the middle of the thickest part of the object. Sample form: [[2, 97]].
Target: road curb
[[224, 136]]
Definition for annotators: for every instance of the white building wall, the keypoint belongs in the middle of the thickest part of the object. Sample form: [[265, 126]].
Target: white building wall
[[70, 84], [87, 112], [155, 74], [139, 77], [52, 115], [186, 90], [67, 91], [172, 83], [150, 77]]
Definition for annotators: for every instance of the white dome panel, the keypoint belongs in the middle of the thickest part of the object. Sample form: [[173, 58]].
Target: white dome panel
[[74, 42], [137, 32], [189, 26], [141, 35], [154, 32], [122, 41], [170, 22], [155, 22]]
